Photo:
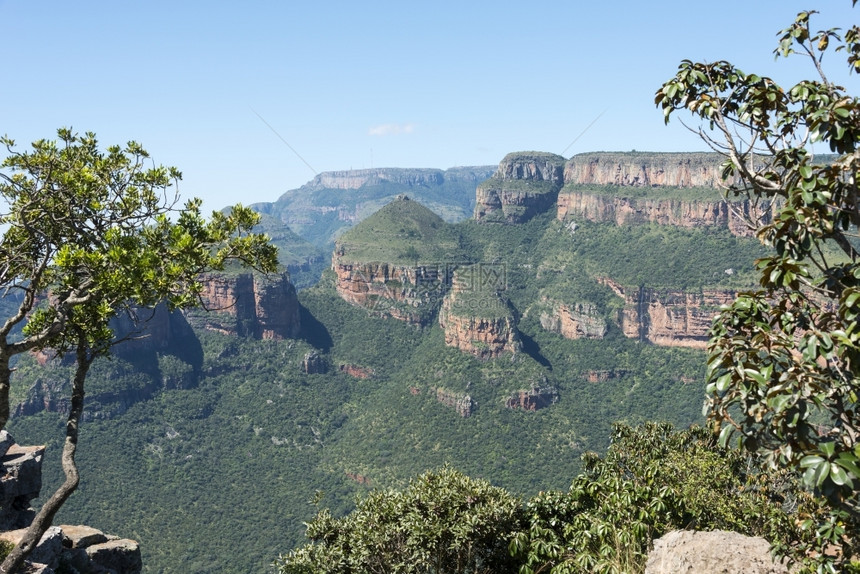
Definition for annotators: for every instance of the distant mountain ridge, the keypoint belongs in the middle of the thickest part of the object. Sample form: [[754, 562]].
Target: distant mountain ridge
[[321, 209]]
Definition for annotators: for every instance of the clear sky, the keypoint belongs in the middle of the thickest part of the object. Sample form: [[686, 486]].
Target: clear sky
[[370, 84]]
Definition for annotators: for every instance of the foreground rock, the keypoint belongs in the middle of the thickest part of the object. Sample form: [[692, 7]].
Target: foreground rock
[[69, 549], [717, 552]]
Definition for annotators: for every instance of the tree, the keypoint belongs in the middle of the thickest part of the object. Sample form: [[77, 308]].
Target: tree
[[89, 234], [784, 358], [443, 523]]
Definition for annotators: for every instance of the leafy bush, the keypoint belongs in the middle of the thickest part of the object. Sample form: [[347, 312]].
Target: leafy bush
[[443, 522]]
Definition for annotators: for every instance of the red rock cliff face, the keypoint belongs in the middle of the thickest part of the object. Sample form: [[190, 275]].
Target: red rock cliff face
[[482, 336], [670, 318], [626, 211], [525, 184], [683, 170], [403, 292], [250, 305], [645, 169], [574, 321]]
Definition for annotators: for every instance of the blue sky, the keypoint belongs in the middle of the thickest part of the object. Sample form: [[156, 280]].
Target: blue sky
[[370, 84]]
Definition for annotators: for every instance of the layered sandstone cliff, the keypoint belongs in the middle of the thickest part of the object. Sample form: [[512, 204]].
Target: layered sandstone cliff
[[574, 321], [635, 171], [537, 397], [406, 292], [526, 183], [462, 403], [477, 320], [576, 203], [670, 318], [249, 304], [638, 169]]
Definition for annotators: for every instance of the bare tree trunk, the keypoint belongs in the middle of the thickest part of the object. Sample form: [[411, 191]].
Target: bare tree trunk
[[45, 517], [5, 376]]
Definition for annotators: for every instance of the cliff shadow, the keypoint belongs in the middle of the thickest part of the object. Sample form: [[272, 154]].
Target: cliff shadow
[[532, 349], [313, 331]]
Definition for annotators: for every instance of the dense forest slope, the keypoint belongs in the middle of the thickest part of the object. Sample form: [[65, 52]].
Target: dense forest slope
[[504, 345]]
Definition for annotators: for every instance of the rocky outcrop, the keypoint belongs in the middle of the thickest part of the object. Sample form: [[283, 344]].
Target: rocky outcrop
[[460, 402], [406, 292], [526, 183], [601, 208], [314, 363], [356, 371], [636, 169], [574, 321], [670, 318], [478, 322], [252, 305], [537, 397], [652, 170], [20, 483], [61, 548], [716, 552], [603, 375], [68, 548]]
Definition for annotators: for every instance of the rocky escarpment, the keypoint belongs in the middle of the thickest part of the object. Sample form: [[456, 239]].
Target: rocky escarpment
[[62, 548], [576, 203], [397, 262], [671, 318], [652, 170], [406, 292], [249, 304], [574, 321], [462, 403], [321, 209], [526, 183], [537, 397], [637, 169], [485, 338], [477, 320]]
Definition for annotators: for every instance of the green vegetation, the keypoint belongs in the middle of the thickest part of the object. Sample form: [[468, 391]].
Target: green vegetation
[[403, 232], [442, 522], [652, 479], [175, 437]]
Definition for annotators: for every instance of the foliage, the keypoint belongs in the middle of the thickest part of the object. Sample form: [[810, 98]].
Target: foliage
[[443, 522], [652, 480], [785, 358]]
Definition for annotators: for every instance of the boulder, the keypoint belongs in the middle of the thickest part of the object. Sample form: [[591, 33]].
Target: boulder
[[716, 552], [121, 555], [81, 536], [47, 551]]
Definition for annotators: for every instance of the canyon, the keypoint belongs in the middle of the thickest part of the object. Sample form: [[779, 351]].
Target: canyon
[[526, 184]]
